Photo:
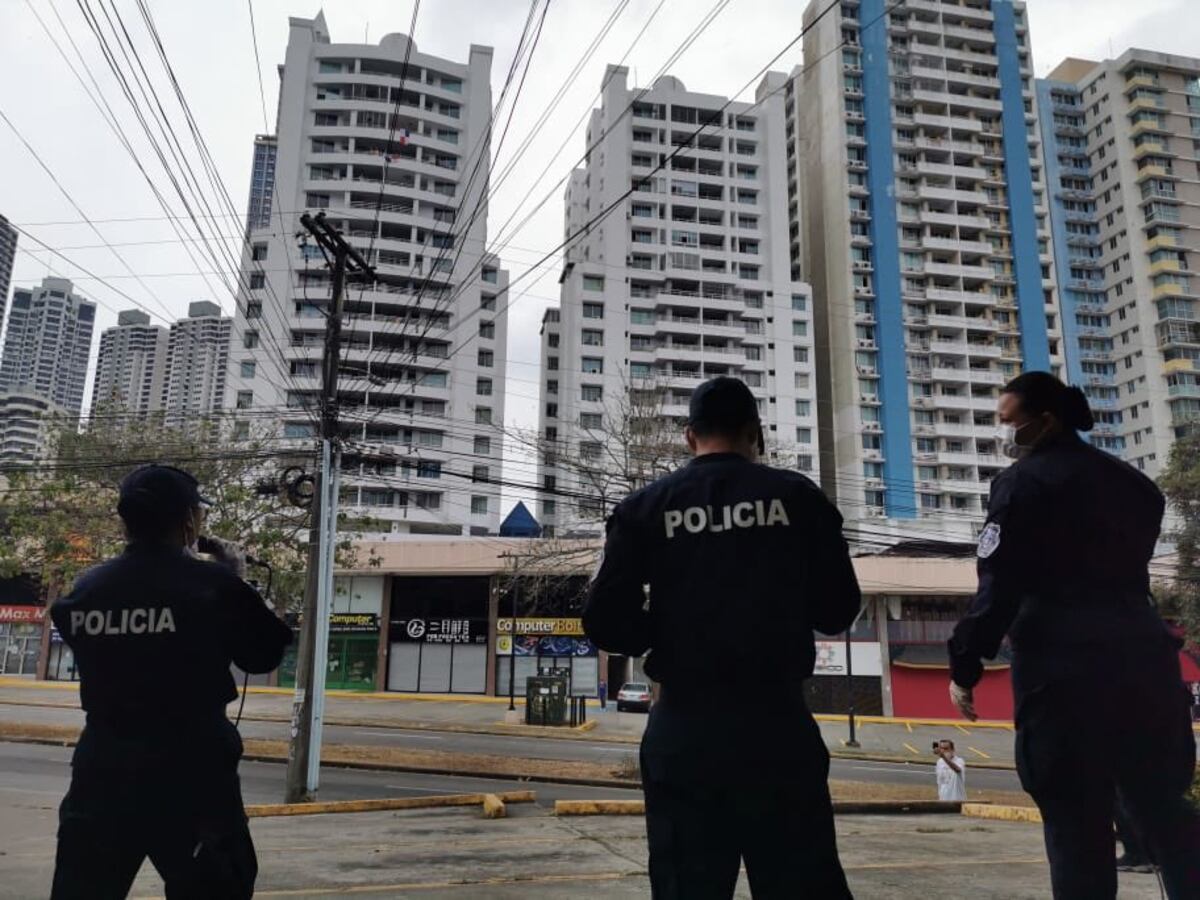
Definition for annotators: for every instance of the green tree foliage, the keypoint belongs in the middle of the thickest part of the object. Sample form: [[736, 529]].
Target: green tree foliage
[[58, 516], [1180, 596]]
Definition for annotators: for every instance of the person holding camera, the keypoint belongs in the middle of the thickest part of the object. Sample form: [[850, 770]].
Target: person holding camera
[[154, 632], [951, 773]]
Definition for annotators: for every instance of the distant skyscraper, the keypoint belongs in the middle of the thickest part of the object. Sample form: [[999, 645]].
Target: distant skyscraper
[[48, 342], [262, 182], [25, 421], [131, 365], [1122, 138], [921, 217], [8, 252], [197, 360]]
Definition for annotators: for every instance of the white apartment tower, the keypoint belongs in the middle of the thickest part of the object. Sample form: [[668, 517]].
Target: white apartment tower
[[393, 146], [8, 254], [922, 221], [47, 344], [688, 279], [131, 366], [1123, 158], [197, 362]]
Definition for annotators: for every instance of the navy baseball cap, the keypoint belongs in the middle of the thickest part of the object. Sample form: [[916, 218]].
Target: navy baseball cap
[[157, 492], [723, 404]]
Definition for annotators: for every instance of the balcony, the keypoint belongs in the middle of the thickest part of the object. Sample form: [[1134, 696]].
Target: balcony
[[1166, 265], [1142, 81]]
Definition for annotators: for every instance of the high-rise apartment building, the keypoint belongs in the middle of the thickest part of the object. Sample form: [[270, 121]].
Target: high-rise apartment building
[[47, 344], [131, 364], [690, 278], [1123, 165], [919, 185], [25, 424], [197, 362], [262, 182], [8, 254], [393, 146]]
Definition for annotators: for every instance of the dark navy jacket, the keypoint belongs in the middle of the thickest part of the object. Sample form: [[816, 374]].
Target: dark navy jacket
[[154, 632], [742, 562], [1063, 569]]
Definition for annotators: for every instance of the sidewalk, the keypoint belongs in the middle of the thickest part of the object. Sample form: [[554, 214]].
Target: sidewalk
[[983, 744]]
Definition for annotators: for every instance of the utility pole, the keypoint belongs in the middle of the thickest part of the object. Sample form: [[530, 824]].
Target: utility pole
[[308, 703]]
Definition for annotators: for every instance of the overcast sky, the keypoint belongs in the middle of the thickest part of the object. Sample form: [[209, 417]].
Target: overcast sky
[[209, 45]]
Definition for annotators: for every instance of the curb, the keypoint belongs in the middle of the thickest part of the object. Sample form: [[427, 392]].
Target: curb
[[600, 807], [845, 808], [266, 810], [1030, 814], [914, 760]]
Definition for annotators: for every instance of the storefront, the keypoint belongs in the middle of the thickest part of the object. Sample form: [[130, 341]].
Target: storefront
[[353, 652], [438, 635], [20, 639], [542, 643]]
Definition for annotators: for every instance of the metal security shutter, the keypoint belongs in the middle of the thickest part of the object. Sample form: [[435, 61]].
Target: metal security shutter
[[585, 676], [470, 669], [435, 668], [403, 664]]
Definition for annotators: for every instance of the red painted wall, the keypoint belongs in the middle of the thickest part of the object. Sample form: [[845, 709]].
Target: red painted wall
[[925, 693]]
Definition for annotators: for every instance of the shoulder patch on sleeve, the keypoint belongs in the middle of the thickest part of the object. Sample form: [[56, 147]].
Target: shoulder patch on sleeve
[[989, 540]]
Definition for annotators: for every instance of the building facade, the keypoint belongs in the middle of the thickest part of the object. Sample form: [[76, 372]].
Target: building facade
[[689, 280], [197, 362], [8, 255], [392, 145], [262, 182], [1123, 164], [26, 419], [47, 344], [131, 366], [920, 216]]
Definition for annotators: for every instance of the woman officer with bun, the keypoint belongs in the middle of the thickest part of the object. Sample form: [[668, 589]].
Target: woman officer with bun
[[1101, 711]]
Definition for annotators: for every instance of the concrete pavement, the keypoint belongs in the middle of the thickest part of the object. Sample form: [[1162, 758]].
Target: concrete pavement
[[457, 854]]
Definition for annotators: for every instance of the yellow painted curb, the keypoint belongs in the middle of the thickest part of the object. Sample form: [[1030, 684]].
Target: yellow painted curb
[[263, 810], [600, 807], [493, 807], [589, 725], [39, 685], [1004, 813], [893, 720]]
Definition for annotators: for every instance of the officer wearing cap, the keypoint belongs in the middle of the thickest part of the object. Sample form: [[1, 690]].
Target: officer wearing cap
[[1101, 711], [154, 632], [721, 571]]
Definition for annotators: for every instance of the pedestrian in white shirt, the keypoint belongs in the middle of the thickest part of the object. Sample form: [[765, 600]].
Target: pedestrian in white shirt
[[951, 773]]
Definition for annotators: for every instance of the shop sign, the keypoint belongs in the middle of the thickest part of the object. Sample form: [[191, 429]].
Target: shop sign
[[831, 658], [546, 645], [354, 623], [440, 631], [23, 614], [565, 627]]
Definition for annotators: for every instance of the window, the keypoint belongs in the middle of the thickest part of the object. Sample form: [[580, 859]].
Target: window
[[593, 365], [487, 359], [803, 435], [593, 282], [488, 303], [483, 387], [552, 387], [552, 339], [593, 337], [245, 399], [593, 393], [591, 421], [429, 468], [590, 449], [241, 431], [250, 340], [799, 329], [298, 430], [254, 309], [804, 408], [483, 446], [487, 330], [257, 280], [593, 310], [480, 474], [799, 302], [483, 415], [800, 354], [489, 275], [479, 506], [258, 252], [551, 410], [248, 369]]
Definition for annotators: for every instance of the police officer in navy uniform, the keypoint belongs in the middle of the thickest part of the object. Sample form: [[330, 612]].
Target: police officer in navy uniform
[[742, 562], [155, 772], [1101, 711]]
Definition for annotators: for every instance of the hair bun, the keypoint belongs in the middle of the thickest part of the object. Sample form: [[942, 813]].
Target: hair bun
[[1076, 413]]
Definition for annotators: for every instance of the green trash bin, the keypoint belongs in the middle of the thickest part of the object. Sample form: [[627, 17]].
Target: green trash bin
[[546, 700]]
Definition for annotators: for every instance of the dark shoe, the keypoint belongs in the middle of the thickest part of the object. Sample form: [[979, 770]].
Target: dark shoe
[[1127, 863]]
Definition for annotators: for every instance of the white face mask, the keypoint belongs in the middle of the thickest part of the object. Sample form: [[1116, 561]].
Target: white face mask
[[1007, 436]]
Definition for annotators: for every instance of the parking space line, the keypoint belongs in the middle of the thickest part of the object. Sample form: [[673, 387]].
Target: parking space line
[[979, 753], [963, 730], [912, 749], [908, 725]]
